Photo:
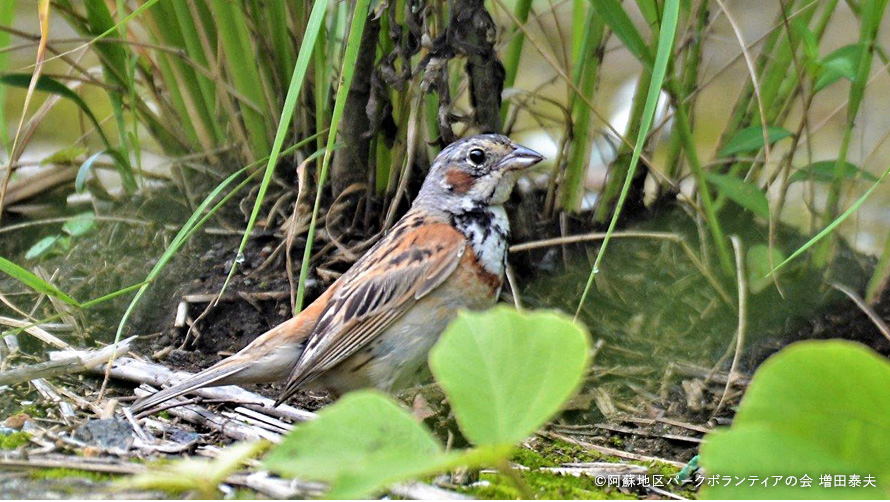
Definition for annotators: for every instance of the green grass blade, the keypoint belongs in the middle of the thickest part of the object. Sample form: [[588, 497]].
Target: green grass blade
[[53, 86], [85, 305], [168, 71], [649, 10], [276, 13], [7, 13], [205, 101], [167, 139], [32, 281], [321, 84], [130, 136], [579, 7], [615, 17], [115, 66], [514, 50], [359, 17], [242, 64], [585, 74], [659, 71], [834, 224], [181, 80], [114, 294], [111, 29], [316, 19], [113, 55], [870, 20]]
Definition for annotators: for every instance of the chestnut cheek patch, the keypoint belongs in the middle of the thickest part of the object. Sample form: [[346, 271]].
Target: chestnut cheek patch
[[460, 181]]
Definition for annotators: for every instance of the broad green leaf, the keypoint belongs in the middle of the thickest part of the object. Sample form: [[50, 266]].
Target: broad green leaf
[[80, 224], [814, 408], [42, 247], [33, 282], [842, 63], [758, 266], [746, 194], [823, 172], [751, 138], [506, 372], [359, 445], [618, 20]]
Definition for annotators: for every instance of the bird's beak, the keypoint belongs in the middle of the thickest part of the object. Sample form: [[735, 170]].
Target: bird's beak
[[519, 159]]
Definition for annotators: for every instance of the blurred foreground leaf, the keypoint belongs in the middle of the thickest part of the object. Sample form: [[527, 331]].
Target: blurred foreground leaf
[[506, 373], [361, 444], [815, 408]]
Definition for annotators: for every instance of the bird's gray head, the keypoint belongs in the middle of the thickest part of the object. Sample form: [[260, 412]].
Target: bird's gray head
[[476, 171]]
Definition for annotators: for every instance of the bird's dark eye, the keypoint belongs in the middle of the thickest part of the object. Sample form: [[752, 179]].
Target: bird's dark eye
[[476, 157]]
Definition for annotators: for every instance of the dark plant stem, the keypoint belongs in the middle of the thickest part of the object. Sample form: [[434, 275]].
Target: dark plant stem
[[351, 162], [472, 31]]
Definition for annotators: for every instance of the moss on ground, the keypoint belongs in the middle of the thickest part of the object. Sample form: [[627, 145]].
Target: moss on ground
[[546, 485], [31, 410], [13, 441], [63, 473]]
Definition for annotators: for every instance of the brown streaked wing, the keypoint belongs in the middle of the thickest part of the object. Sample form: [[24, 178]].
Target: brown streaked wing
[[379, 292]]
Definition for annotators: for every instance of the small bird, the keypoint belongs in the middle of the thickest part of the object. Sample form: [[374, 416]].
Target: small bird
[[375, 325]]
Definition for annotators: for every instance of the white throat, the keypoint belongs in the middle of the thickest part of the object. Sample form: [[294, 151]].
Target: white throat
[[487, 229]]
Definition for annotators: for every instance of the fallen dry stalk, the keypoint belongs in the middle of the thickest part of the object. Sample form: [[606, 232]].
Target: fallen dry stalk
[[156, 375], [64, 362], [35, 331]]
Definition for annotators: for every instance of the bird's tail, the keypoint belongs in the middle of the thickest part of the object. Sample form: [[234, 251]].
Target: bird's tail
[[214, 375], [269, 358]]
